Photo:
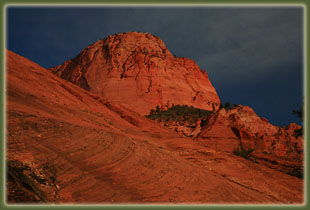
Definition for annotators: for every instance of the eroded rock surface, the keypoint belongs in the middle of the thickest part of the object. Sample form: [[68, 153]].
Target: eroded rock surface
[[67, 145], [278, 147], [138, 71]]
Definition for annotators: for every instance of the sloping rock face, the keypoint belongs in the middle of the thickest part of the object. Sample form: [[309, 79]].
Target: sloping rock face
[[138, 71], [66, 145], [279, 147]]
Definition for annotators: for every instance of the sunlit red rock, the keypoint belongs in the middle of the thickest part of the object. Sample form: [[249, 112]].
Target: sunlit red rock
[[242, 127], [68, 145], [138, 71]]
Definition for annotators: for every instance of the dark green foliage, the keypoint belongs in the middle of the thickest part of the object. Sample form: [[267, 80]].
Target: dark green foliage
[[179, 113], [243, 152], [203, 122], [300, 113], [157, 109], [298, 132], [227, 105]]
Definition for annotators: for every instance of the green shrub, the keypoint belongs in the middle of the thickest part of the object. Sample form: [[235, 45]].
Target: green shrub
[[178, 113], [247, 154], [298, 132], [227, 105]]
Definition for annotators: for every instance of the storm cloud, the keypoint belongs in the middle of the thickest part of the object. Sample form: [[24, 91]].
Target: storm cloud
[[253, 55]]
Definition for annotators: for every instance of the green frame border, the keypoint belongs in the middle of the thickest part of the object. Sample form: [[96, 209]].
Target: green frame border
[[4, 3]]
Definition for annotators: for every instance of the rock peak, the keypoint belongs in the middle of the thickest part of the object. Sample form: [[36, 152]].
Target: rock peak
[[132, 34], [137, 70], [131, 41]]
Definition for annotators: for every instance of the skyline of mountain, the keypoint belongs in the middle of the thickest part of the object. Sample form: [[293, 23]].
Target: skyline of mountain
[[253, 55]]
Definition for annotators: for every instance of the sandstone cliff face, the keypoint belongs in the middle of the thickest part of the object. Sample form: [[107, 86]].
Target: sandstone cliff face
[[138, 71], [240, 126], [243, 123]]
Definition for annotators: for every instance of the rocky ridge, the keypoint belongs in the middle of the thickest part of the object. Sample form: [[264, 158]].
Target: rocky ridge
[[239, 130], [277, 147], [243, 123]]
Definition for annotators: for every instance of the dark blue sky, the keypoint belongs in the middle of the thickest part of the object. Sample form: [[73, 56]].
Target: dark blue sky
[[253, 55]]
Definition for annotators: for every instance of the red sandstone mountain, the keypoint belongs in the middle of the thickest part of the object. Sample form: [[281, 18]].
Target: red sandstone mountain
[[67, 145], [138, 71]]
